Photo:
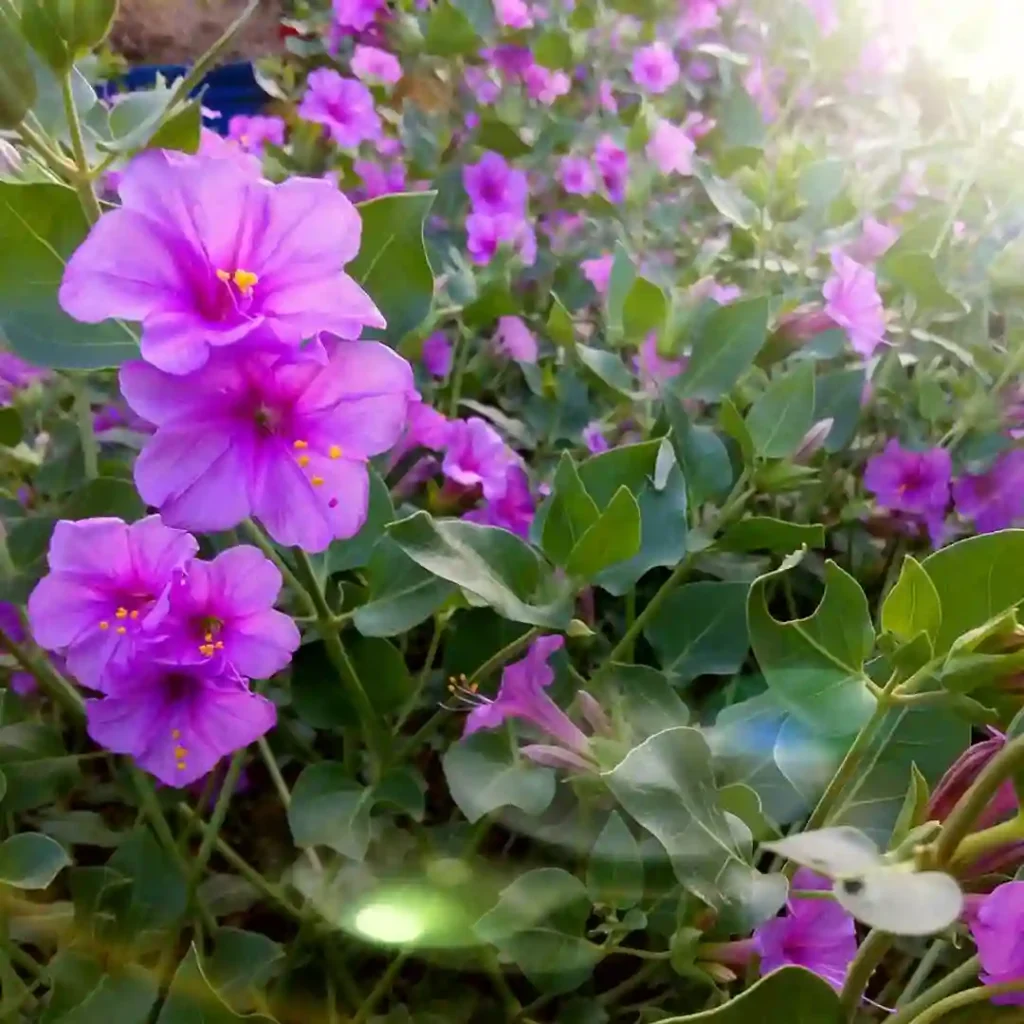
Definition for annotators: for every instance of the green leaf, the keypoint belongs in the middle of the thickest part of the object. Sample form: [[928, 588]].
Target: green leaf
[[837, 396], [571, 512], [701, 629], [355, 552], [484, 773], [493, 565], [241, 964], [126, 996], [701, 453], [733, 425], [914, 808], [499, 137], [913, 605], [608, 368], [42, 225], [643, 310], [728, 200], [560, 327], [668, 785], [628, 465], [392, 263], [329, 808], [158, 895], [36, 766], [781, 417], [744, 802], [615, 537], [139, 120], [741, 122], [538, 922], [191, 999], [615, 870], [915, 271], [105, 496], [821, 182], [30, 860], [728, 341], [815, 665], [383, 667], [10, 426], [620, 281], [553, 49], [791, 994], [642, 699], [763, 533], [976, 579], [402, 594], [449, 32]]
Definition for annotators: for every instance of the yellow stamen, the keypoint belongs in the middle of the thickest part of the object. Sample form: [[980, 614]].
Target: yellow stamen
[[219, 645], [208, 638], [300, 444], [303, 460], [180, 766], [316, 481], [245, 279], [104, 624], [180, 752], [223, 275], [175, 734], [122, 613], [121, 630], [334, 451], [134, 614]]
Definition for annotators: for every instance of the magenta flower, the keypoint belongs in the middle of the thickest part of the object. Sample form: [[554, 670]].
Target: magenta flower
[[875, 240], [222, 613], [514, 510], [961, 776], [516, 340], [698, 16], [654, 68], [606, 98], [825, 14], [613, 165], [709, 288], [994, 499], [761, 82], [16, 374], [598, 271], [252, 133], [428, 428], [356, 15], [652, 367], [177, 721], [107, 592], [671, 149], [912, 482], [476, 456], [227, 257], [481, 84], [998, 930], [343, 106], [576, 175], [485, 234], [697, 125], [594, 439], [513, 14], [853, 303], [373, 65], [494, 188], [437, 355], [284, 438], [545, 85], [521, 695], [815, 934]]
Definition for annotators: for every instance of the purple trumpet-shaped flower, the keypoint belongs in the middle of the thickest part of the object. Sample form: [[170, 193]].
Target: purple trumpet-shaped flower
[[998, 930], [282, 437], [853, 303], [516, 339], [494, 188], [343, 106], [521, 695], [815, 934], [107, 592], [654, 68], [437, 355], [178, 721], [223, 612], [915, 483], [477, 457], [514, 510], [206, 254], [253, 133], [993, 499]]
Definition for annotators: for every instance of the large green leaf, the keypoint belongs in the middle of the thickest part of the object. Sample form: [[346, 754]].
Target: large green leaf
[[791, 994], [763, 533], [570, 513], [36, 766], [781, 417], [620, 281], [241, 964], [450, 33], [484, 773], [815, 665], [392, 263], [726, 346], [191, 999], [976, 579], [41, 226], [30, 860], [615, 870], [700, 452], [701, 629], [493, 565], [613, 537], [913, 605], [84, 994], [329, 808], [837, 396], [643, 311]]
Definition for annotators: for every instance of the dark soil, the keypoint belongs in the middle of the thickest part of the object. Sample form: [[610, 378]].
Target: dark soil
[[178, 31]]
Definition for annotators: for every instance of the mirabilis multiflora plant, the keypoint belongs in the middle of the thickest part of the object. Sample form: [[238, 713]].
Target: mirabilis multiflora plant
[[537, 502]]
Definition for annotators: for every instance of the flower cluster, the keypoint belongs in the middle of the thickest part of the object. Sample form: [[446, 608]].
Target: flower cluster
[[168, 639], [497, 194]]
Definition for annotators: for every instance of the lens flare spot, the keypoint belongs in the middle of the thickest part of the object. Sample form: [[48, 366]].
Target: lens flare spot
[[387, 922]]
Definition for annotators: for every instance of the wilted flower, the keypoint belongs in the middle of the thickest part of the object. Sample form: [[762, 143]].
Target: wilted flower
[[998, 930], [516, 340], [285, 438], [342, 105], [825, 14], [107, 591], [709, 288], [655, 68], [206, 255], [993, 499], [761, 82], [818, 935], [252, 133], [961, 776], [853, 303], [370, 64], [671, 149]]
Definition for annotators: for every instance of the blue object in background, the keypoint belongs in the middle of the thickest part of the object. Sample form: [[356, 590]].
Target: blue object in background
[[229, 90]]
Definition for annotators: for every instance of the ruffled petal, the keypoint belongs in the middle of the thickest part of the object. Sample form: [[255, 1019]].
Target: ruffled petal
[[242, 581], [261, 644]]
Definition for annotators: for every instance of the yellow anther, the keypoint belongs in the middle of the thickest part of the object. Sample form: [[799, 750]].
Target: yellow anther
[[300, 444], [223, 275], [175, 734], [180, 766], [121, 630], [316, 481], [180, 752], [133, 614], [122, 613], [104, 624], [219, 645], [245, 280], [303, 460], [334, 451], [208, 638]]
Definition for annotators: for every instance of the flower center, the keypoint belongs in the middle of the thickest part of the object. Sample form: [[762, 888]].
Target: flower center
[[208, 628], [124, 618], [308, 460]]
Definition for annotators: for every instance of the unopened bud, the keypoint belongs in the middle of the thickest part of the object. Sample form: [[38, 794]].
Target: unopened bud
[[804, 324], [62, 30], [578, 630], [814, 439], [594, 714], [10, 159]]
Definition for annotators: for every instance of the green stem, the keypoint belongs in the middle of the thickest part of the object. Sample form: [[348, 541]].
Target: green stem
[[952, 982], [868, 957], [973, 995], [373, 734], [613, 995], [461, 360], [969, 807], [283, 792], [36, 142], [380, 989], [50, 681], [82, 180], [424, 676], [86, 434], [257, 536], [922, 971], [506, 654], [977, 844], [216, 822]]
